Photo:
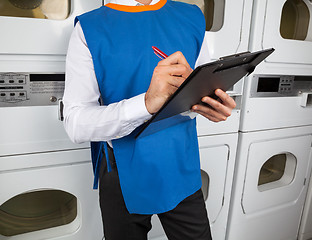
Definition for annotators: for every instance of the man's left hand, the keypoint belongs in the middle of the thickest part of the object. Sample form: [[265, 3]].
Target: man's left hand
[[217, 110]]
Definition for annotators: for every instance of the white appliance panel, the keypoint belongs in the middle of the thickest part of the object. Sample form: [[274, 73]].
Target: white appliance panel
[[206, 127], [236, 17], [305, 232], [20, 35], [44, 160], [235, 27], [285, 101], [225, 19], [271, 210], [217, 154], [30, 122], [75, 179], [254, 200], [157, 232], [266, 34], [33, 129], [214, 162]]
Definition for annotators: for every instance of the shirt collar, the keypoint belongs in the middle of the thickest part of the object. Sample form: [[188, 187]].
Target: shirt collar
[[128, 2]]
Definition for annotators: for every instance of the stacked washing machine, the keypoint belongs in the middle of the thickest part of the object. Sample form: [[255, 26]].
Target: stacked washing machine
[[273, 162], [45, 180], [218, 141]]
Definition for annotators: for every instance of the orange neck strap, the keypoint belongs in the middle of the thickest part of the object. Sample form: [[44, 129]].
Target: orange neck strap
[[142, 8]]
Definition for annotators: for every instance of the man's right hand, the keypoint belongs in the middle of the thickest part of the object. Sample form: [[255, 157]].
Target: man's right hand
[[168, 75]]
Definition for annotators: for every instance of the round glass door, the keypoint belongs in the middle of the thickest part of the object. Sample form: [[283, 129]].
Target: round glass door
[[38, 210], [295, 20], [205, 184], [213, 11], [277, 171], [45, 9]]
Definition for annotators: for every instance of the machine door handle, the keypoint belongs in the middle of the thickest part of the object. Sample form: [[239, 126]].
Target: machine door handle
[[306, 99], [60, 109]]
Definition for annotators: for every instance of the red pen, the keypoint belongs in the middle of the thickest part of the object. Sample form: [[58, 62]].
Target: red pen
[[159, 53]]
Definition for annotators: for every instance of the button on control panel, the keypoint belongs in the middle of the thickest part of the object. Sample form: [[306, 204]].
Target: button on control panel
[[280, 85], [31, 89]]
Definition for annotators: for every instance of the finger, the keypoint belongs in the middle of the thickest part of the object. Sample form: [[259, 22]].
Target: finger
[[209, 113], [167, 84], [225, 98], [211, 118], [169, 89], [218, 106], [175, 58], [174, 70], [175, 81]]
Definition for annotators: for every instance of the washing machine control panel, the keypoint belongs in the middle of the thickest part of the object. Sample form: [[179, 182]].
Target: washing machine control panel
[[280, 85], [31, 89]]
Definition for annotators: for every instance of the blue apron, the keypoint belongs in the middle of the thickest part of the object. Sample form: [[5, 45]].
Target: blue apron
[[158, 171]]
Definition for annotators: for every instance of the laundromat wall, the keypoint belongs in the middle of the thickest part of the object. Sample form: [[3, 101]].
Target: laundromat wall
[[255, 166]]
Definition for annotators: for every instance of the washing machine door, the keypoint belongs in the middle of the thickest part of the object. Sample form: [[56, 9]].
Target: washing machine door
[[217, 157], [306, 220], [225, 22], [39, 26], [276, 174], [214, 161], [49, 196], [287, 28], [224, 19], [37, 210]]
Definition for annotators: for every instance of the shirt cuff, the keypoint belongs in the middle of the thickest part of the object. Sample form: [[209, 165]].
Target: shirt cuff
[[135, 110]]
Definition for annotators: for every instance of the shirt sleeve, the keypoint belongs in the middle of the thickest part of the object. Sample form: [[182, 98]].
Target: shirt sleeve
[[84, 118], [204, 56]]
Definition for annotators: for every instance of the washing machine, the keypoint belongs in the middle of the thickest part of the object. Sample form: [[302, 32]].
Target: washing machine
[[40, 27], [279, 93], [217, 153], [273, 161], [218, 141], [45, 179], [286, 26], [277, 100], [271, 181], [48, 196], [305, 231]]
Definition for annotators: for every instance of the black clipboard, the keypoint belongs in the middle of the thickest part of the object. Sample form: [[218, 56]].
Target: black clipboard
[[203, 81]]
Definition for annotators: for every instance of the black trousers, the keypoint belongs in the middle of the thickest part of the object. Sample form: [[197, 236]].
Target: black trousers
[[188, 221]]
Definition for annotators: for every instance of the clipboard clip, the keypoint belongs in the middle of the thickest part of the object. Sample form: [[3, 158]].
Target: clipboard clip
[[239, 55], [234, 55]]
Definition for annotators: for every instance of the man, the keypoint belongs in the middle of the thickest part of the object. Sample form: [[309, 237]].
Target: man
[[110, 57]]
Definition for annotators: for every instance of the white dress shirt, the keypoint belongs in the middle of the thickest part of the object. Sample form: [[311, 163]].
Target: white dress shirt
[[84, 119]]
